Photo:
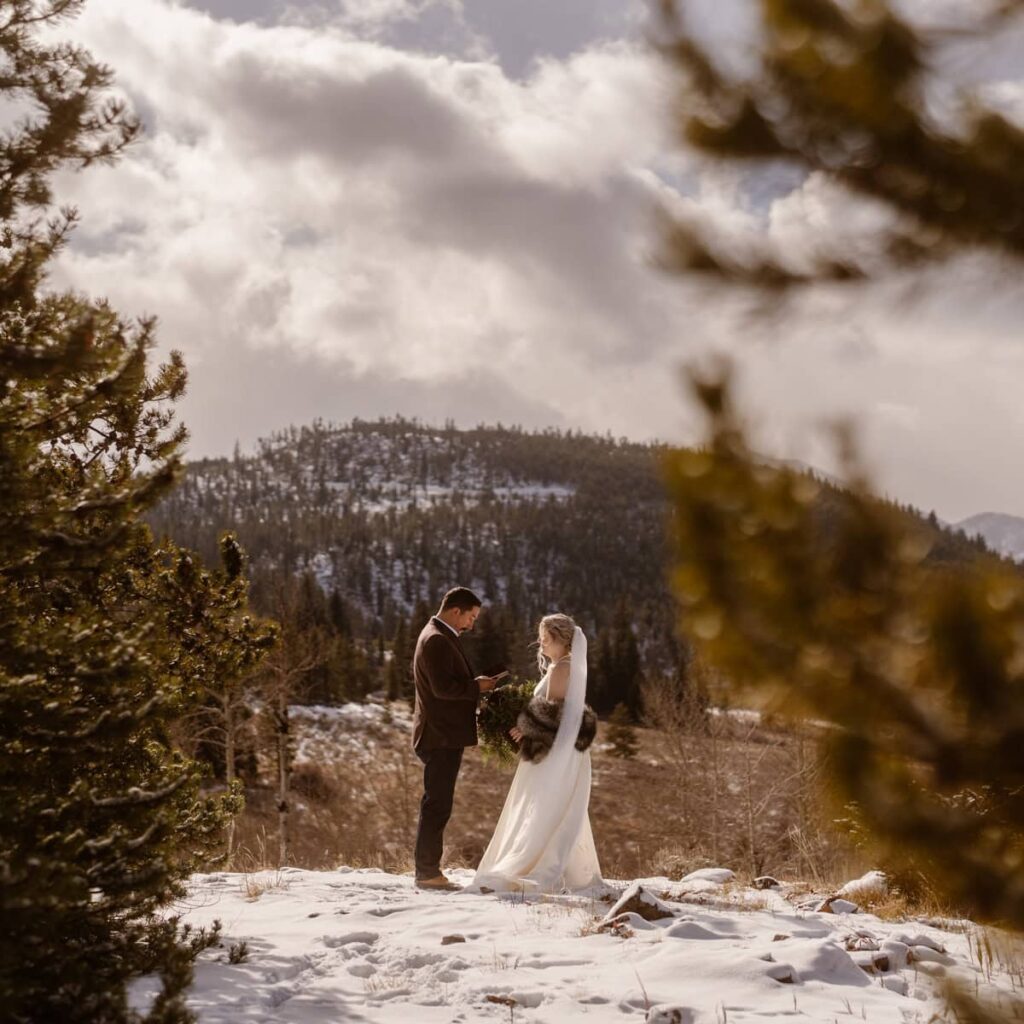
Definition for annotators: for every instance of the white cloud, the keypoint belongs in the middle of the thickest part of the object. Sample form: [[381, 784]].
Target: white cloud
[[303, 193], [331, 225]]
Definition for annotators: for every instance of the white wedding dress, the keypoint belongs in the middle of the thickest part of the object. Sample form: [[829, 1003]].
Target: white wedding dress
[[543, 842]]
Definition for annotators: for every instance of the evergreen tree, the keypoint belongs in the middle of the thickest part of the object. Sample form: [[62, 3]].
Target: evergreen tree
[[487, 644], [605, 547], [420, 617], [627, 685], [851, 613], [616, 670], [916, 664], [219, 647], [337, 614], [399, 666], [601, 677], [101, 816], [844, 90]]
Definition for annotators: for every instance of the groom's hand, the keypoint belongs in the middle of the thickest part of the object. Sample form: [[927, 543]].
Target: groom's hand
[[486, 683]]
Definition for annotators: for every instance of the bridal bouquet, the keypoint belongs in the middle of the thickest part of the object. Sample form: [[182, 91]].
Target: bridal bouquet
[[498, 711]]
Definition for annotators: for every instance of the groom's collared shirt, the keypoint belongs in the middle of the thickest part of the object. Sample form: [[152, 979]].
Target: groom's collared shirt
[[451, 629], [456, 635]]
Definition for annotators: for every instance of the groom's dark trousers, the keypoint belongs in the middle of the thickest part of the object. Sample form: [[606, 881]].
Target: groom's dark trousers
[[444, 724]]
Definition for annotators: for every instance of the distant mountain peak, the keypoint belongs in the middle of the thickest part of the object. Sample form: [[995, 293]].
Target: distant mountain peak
[[1002, 532]]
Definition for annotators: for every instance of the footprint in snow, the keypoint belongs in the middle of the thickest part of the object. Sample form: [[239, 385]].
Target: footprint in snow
[[543, 965], [347, 938]]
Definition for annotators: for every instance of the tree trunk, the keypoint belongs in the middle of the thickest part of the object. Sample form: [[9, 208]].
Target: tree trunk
[[716, 781], [229, 771], [748, 799], [283, 777]]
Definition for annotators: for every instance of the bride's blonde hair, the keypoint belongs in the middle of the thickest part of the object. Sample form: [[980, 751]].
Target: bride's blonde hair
[[559, 627]]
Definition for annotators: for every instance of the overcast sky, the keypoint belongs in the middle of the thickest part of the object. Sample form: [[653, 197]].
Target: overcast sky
[[445, 208]]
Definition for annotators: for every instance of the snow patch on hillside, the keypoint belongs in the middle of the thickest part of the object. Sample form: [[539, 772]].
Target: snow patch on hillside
[[347, 732]]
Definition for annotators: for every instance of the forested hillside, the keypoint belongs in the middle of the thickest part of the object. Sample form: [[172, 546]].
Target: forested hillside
[[356, 530]]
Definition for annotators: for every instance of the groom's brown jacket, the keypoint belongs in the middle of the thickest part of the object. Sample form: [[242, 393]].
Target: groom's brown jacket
[[446, 691]]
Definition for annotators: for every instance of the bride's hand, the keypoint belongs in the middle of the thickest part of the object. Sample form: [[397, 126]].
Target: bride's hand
[[516, 733]]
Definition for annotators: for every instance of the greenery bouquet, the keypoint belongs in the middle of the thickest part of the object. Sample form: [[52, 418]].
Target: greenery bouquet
[[497, 713]]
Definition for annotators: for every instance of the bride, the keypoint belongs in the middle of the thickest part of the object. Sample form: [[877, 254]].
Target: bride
[[543, 841]]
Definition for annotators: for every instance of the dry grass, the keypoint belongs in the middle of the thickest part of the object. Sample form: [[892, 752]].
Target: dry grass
[[735, 899], [735, 794], [356, 816], [898, 906], [995, 951], [255, 884]]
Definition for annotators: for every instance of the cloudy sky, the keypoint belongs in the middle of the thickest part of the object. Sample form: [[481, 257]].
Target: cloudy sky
[[446, 209]]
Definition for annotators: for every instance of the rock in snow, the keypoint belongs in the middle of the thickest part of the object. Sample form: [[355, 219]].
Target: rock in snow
[[637, 900], [835, 905], [897, 952], [360, 944], [670, 1015]]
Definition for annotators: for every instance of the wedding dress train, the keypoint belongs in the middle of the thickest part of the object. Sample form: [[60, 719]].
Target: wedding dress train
[[543, 841]]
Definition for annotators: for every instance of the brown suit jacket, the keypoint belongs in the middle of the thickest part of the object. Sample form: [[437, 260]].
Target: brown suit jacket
[[446, 691]]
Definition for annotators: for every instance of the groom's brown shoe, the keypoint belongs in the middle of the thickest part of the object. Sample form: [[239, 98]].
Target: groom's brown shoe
[[437, 883]]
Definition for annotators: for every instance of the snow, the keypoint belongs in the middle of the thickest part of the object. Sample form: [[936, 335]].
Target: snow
[[870, 886], [382, 472], [367, 945], [745, 716], [325, 733], [719, 876], [322, 567]]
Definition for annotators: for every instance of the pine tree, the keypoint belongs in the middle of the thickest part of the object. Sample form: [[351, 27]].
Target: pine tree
[[338, 615], [616, 674], [101, 815], [917, 663], [626, 659], [601, 677], [844, 90], [221, 647], [399, 675], [858, 616], [611, 547], [487, 644]]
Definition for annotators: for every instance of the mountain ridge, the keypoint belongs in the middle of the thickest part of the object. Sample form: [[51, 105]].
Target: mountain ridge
[[1004, 533], [383, 516]]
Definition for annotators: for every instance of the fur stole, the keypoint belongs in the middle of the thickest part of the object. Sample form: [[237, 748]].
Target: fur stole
[[538, 722]]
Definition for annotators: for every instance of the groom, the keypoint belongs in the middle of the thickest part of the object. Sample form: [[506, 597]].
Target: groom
[[444, 723]]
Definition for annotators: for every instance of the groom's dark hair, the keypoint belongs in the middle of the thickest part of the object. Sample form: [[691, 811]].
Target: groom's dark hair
[[462, 598]]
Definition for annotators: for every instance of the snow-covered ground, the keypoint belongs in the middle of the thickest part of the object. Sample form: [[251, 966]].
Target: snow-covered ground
[[364, 945], [326, 733]]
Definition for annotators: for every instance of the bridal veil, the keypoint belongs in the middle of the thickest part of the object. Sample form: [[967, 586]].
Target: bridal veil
[[543, 840]]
